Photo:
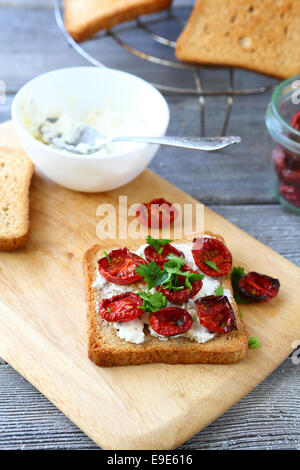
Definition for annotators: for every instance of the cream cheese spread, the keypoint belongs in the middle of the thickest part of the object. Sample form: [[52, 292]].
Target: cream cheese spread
[[109, 121]]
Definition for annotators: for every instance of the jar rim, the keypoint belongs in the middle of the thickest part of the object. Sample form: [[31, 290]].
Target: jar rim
[[275, 95]]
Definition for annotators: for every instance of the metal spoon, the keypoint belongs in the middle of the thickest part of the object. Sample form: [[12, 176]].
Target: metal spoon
[[90, 140]]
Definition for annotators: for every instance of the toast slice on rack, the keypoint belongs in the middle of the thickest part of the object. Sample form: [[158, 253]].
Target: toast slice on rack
[[106, 348], [15, 176], [259, 35], [83, 18]]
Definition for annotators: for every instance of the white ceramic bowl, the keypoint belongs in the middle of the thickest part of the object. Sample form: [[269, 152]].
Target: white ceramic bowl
[[76, 91]]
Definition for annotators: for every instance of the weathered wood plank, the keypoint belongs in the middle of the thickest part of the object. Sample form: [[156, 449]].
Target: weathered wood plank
[[29, 4], [268, 418], [271, 224]]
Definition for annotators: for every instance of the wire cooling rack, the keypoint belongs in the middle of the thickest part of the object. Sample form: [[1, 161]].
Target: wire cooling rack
[[147, 26]]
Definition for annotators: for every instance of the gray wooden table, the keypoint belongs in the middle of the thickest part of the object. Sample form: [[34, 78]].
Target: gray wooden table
[[233, 184]]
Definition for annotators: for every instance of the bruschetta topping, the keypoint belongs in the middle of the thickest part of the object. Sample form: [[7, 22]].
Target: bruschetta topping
[[211, 256], [159, 249], [121, 308], [152, 302], [255, 287], [157, 213], [178, 292], [119, 266], [171, 321], [175, 280], [216, 314]]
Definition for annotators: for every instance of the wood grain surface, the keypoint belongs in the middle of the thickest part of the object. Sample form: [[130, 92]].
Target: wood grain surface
[[237, 188], [43, 326]]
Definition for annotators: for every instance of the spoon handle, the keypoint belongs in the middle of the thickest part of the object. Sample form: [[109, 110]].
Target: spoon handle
[[207, 144]]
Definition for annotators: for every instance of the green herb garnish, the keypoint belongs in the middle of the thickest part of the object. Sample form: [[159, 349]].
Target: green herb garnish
[[219, 290], [175, 262], [211, 264], [236, 275], [157, 243], [173, 269], [169, 276], [106, 256], [108, 309], [254, 342], [152, 274], [152, 302]]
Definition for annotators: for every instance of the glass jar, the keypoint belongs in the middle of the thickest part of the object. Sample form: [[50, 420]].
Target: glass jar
[[283, 124]]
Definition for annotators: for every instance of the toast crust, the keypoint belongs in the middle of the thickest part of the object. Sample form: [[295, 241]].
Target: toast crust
[[16, 171], [238, 36], [84, 18], [106, 349], [14, 243]]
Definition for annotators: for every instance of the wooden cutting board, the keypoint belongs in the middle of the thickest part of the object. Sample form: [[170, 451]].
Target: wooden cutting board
[[43, 325]]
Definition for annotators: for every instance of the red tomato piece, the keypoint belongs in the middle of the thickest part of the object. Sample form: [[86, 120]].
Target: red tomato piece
[[286, 166], [295, 121], [278, 157], [160, 258], [179, 297], [121, 266], [170, 321], [211, 250], [216, 314], [291, 172], [255, 287], [290, 193], [121, 308], [157, 213]]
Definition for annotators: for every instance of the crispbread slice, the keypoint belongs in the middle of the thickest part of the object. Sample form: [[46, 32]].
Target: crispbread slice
[[106, 349], [260, 35], [15, 176], [83, 18]]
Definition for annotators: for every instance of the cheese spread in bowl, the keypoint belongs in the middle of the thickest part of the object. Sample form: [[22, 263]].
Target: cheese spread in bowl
[[116, 103], [109, 121]]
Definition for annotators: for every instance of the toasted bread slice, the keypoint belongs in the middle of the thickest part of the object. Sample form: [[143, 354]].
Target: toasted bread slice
[[15, 176], [106, 349], [83, 18], [259, 35]]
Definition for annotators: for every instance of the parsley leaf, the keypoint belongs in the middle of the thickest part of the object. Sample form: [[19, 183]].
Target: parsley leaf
[[169, 276], [152, 302], [174, 261], [152, 274], [236, 275], [157, 243], [106, 256], [254, 342], [192, 277], [219, 290], [211, 264], [173, 268]]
